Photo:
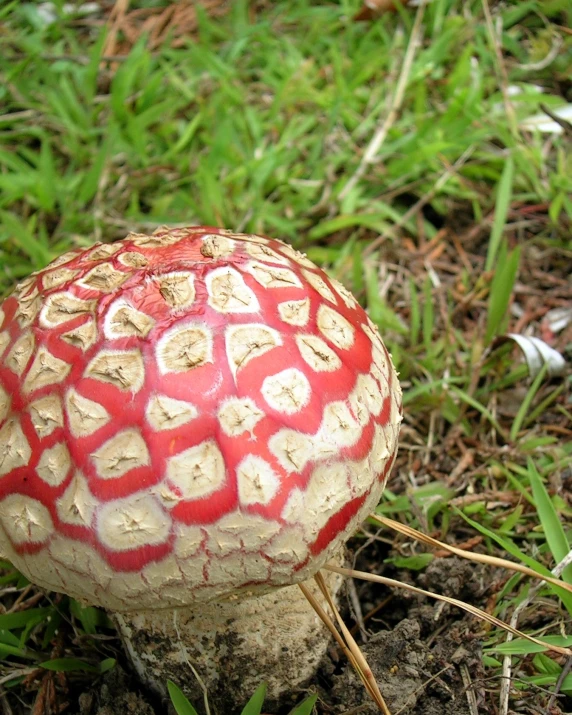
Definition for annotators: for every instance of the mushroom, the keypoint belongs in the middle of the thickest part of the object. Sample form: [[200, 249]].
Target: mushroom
[[191, 423]]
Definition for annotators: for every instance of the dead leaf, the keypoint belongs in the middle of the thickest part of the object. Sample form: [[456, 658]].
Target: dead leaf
[[537, 354], [175, 23], [374, 8]]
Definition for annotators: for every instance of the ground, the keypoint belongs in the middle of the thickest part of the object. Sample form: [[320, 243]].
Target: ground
[[426, 659]]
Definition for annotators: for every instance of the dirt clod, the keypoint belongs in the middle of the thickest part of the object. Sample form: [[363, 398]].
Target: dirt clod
[[454, 577], [415, 679], [116, 695]]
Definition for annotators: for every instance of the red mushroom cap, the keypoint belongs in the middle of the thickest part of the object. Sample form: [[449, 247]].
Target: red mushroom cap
[[187, 415]]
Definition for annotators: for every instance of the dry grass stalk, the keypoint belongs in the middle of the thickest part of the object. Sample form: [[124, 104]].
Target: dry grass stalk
[[354, 647], [327, 621], [469, 555], [351, 573], [381, 133]]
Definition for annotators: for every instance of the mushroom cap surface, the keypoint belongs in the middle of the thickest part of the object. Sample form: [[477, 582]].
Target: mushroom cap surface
[[187, 416]]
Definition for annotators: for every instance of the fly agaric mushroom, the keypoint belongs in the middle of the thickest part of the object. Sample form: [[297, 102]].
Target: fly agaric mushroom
[[190, 423]]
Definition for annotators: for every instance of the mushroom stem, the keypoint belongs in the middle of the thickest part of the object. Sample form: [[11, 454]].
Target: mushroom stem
[[231, 646]]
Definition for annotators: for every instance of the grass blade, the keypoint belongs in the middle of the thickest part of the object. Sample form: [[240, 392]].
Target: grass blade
[[306, 707], [504, 194], [553, 530], [180, 703], [254, 705], [501, 290], [524, 408]]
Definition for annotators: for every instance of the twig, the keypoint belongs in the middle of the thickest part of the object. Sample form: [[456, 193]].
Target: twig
[[381, 133], [18, 672], [6, 709], [17, 605], [507, 661], [356, 608], [561, 678], [542, 64], [470, 693], [500, 69], [423, 686], [418, 205], [473, 610]]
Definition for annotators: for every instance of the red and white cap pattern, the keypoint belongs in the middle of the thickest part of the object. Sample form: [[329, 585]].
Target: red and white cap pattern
[[187, 415]]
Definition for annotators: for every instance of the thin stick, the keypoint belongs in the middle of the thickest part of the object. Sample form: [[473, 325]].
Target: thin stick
[[353, 646], [327, 621], [470, 693], [561, 678], [381, 133], [502, 75], [506, 681], [418, 205], [453, 601], [356, 610], [423, 686], [469, 555]]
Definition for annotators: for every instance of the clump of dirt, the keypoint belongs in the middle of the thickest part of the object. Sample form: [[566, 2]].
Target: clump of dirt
[[413, 678], [116, 694], [455, 578]]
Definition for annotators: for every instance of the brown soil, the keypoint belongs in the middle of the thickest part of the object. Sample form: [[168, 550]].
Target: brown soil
[[116, 695], [412, 677]]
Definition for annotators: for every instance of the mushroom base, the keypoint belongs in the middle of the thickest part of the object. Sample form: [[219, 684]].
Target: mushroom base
[[228, 649]]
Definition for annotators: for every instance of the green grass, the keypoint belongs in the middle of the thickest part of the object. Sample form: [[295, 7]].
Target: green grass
[[258, 123], [252, 707]]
